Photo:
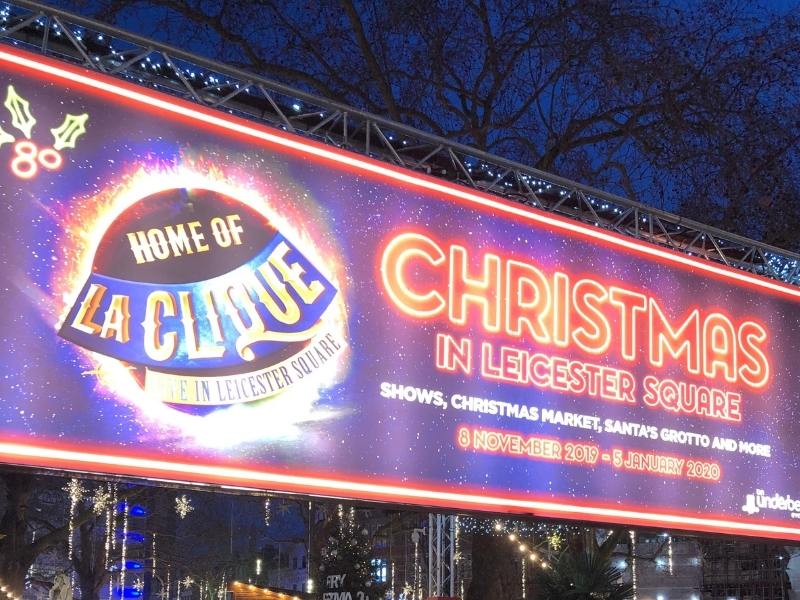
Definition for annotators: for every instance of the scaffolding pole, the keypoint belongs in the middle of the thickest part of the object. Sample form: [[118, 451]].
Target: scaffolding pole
[[441, 555]]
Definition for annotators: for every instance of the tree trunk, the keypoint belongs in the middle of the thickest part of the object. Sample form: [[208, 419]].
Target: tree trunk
[[495, 571], [15, 553], [89, 561], [89, 589]]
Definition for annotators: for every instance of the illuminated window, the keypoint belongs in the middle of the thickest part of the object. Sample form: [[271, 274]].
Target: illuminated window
[[379, 570]]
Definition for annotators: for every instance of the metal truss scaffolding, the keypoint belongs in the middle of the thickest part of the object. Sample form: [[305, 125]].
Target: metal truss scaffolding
[[441, 555], [748, 571], [109, 50]]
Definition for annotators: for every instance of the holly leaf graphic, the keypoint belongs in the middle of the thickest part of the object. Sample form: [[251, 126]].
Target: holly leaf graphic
[[66, 134], [5, 137], [20, 110]]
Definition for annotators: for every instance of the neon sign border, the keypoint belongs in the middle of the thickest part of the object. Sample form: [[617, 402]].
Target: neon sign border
[[99, 461]]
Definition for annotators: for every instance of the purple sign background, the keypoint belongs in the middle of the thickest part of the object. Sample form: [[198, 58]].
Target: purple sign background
[[347, 427]]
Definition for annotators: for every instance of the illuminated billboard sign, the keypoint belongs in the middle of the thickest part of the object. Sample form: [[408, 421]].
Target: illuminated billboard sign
[[189, 296]]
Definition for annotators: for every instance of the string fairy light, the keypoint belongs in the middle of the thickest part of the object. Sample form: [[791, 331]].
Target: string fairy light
[[524, 529], [309, 548], [458, 559], [183, 506], [669, 554], [110, 509], [555, 541], [29, 576], [100, 500], [634, 582], [110, 585], [76, 493], [523, 546], [417, 566], [417, 572], [351, 520], [407, 591], [526, 548], [267, 512], [111, 530], [124, 565], [114, 500]]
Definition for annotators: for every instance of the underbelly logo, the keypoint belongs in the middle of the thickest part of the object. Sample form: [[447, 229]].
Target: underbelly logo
[[206, 301], [754, 503]]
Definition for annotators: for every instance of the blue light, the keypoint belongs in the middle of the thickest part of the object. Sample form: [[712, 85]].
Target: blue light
[[130, 565], [133, 537], [136, 537], [137, 511], [128, 593]]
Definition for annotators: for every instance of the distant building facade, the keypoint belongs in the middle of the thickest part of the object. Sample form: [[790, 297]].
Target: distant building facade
[[291, 567]]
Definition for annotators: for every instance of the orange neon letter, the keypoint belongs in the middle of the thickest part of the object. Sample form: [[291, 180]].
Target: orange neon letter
[[594, 334], [629, 304], [418, 249], [677, 342], [719, 347], [527, 301], [753, 366], [484, 291]]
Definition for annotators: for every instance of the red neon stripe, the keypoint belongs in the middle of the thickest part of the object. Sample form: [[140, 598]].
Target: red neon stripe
[[250, 479]]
